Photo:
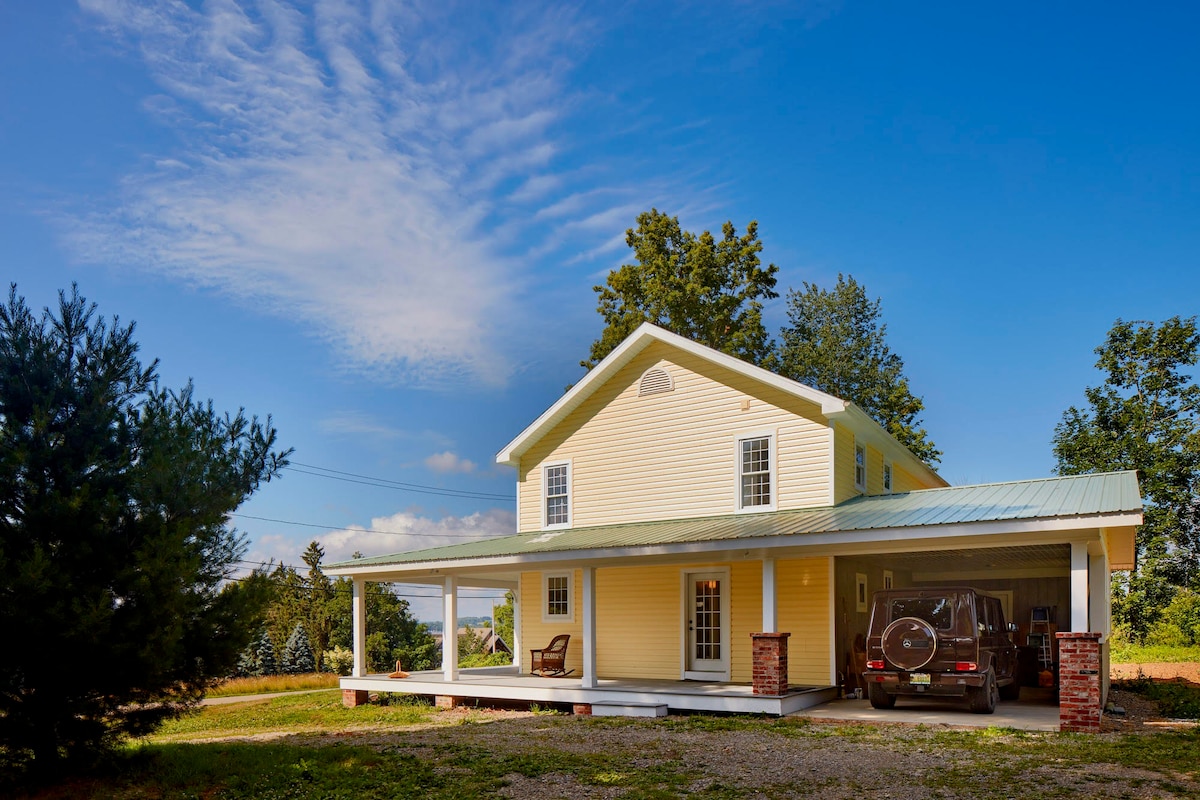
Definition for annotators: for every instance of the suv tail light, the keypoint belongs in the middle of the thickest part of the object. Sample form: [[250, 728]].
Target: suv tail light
[[965, 666], [875, 664]]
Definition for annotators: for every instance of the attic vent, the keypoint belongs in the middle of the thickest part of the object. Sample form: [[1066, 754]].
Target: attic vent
[[655, 381]]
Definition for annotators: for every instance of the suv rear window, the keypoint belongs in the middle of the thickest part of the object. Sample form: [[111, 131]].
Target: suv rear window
[[937, 611]]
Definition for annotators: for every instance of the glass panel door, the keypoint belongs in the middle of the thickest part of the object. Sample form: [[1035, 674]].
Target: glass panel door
[[707, 627]]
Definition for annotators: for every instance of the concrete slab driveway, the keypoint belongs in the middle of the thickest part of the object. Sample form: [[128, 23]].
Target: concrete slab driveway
[[1037, 710]]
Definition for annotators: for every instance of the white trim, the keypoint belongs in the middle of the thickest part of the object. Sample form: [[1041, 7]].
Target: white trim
[[861, 487], [889, 579], [773, 473], [1039, 530], [770, 597], [450, 628], [547, 617], [359, 623], [832, 463], [547, 466], [726, 659], [590, 679], [1079, 587], [518, 610]]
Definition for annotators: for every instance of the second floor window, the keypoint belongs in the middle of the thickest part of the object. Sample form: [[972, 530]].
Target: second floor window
[[558, 495], [860, 467], [887, 478], [754, 469]]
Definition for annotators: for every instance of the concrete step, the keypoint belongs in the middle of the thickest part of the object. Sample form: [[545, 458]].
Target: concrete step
[[629, 710]]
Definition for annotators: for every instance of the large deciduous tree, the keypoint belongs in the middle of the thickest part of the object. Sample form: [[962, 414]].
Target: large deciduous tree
[[709, 290], [836, 342], [115, 552], [1146, 416]]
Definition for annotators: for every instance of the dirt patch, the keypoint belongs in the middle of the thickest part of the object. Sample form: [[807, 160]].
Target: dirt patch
[[1187, 670]]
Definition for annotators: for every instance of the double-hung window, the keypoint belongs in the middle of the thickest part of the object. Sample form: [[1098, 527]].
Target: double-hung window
[[556, 597], [557, 501], [756, 473], [887, 477], [860, 466]]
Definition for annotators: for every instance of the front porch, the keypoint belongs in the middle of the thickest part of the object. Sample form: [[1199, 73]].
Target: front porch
[[506, 683]]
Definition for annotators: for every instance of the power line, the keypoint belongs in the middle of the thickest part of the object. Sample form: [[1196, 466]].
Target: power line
[[387, 483], [450, 534]]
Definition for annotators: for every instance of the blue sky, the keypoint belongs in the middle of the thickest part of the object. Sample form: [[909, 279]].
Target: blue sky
[[381, 222]]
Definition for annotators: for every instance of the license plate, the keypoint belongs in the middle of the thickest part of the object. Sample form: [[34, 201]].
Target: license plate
[[919, 678]]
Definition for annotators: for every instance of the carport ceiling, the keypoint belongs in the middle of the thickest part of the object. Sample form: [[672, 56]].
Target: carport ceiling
[[1001, 559]]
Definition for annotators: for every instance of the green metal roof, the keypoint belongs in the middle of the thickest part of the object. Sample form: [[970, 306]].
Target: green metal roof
[[1069, 496]]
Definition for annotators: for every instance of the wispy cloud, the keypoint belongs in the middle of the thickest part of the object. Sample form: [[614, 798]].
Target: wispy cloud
[[449, 462], [407, 531], [369, 168]]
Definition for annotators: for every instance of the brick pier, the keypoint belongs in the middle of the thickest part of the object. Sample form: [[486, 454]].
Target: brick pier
[[1079, 682], [770, 656]]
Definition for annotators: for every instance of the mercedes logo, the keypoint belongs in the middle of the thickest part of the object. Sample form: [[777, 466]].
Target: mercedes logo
[[907, 644]]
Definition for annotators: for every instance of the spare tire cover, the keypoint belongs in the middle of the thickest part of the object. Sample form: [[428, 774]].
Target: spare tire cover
[[909, 643]]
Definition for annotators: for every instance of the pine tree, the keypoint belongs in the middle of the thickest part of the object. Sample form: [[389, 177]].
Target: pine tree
[[264, 655], [297, 653]]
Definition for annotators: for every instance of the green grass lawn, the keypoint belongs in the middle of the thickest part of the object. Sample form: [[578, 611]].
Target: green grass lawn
[[1155, 654], [315, 748], [275, 683]]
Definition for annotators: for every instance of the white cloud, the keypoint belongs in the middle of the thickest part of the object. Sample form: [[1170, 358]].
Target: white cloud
[[350, 165], [407, 531], [449, 462]]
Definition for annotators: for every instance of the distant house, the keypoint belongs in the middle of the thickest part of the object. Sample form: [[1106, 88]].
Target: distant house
[[491, 641], [709, 533]]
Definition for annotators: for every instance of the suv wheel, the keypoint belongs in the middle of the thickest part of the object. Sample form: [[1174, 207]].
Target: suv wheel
[[984, 699], [879, 698]]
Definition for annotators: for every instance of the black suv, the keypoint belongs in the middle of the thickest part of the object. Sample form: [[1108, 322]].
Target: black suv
[[940, 642]]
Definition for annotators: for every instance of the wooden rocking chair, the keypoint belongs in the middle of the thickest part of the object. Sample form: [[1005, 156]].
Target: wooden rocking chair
[[551, 660]]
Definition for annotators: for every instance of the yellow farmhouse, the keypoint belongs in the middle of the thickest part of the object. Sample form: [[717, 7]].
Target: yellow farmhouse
[[708, 534]]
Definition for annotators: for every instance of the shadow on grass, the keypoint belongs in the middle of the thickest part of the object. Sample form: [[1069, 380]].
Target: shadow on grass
[[257, 770]]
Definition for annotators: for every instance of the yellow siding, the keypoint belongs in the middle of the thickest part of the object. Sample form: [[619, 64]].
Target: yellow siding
[[639, 619], [904, 481], [672, 455], [875, 471], [843, 487], [638, 622], [535, 633], [803, 607]]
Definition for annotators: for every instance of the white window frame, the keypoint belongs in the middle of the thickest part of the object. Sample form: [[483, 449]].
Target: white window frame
[[545, 597], [860, 485], [570, 495], [773, 471], [889, 477]]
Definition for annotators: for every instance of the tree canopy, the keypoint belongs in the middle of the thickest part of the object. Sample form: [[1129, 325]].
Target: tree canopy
[[836, 342], [1146, 416], [696, 286], [115, 552]]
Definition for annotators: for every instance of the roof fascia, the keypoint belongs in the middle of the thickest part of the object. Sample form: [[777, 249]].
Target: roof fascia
[[637, 341], [897, 539]]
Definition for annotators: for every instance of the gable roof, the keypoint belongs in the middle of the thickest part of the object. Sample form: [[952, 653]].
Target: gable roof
[[646, 334], [1070, 497]]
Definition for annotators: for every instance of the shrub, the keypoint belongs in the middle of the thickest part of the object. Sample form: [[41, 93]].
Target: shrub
[[264, 656], [339, 660]]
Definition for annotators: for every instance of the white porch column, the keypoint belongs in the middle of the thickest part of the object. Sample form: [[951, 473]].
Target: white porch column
[[1098, 595], [516, 642], [589, 627], [450, 629], [770, 622], [358, 614], [1079, 587]]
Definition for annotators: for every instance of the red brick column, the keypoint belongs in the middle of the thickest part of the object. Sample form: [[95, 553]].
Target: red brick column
[[770, 659], [1079, 682], [352, 698]]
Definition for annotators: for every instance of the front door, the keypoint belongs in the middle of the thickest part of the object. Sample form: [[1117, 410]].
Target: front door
[[706, 619]]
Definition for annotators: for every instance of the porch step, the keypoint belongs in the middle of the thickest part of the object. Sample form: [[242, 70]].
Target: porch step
[[629, 709]]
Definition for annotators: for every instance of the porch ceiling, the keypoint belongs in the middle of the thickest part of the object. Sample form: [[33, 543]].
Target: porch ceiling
[[1000, 559]]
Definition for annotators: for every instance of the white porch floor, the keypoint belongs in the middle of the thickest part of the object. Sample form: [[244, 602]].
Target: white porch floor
[[505, 683]]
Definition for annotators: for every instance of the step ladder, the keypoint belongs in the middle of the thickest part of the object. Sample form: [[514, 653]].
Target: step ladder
[[1041, 635]]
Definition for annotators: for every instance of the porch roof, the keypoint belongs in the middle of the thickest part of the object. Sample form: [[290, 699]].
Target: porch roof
[[1047, 498]]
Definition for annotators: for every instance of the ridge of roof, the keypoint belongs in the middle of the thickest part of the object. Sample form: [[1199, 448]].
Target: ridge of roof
[[648, 332]]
